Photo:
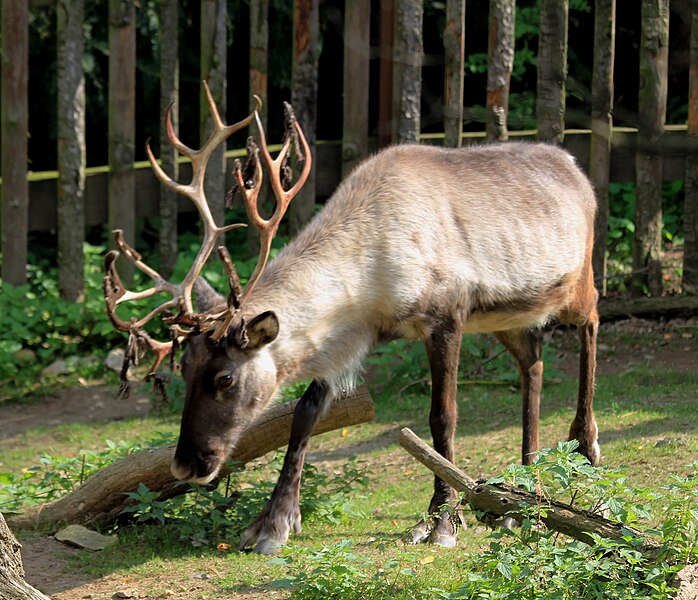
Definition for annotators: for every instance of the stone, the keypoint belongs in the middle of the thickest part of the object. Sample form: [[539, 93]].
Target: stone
[[77, 535]]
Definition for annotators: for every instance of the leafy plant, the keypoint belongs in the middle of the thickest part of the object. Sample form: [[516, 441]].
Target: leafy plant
[[207, 516], [336, 572], [55, 476]]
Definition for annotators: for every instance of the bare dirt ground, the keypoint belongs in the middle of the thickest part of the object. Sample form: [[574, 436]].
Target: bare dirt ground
[[672, 345]]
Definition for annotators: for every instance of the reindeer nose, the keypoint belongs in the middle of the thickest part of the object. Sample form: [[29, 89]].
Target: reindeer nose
[[180, 471]]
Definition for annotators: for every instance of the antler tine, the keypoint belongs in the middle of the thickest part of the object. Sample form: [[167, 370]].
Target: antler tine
[[268, 227]]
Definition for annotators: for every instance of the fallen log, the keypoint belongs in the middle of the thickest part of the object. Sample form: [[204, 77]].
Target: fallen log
[[612, 309], [501, 500], [12, 584], [102, 497]]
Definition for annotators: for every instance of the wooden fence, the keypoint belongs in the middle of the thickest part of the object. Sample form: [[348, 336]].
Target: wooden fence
[[118, 195]]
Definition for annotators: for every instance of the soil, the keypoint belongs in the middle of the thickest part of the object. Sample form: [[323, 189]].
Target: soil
[[672, 345]]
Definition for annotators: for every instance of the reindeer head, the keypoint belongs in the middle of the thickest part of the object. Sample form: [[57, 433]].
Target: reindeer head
[[227, 366]]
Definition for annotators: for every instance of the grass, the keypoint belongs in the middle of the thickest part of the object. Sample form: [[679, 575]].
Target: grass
[[646, 415]]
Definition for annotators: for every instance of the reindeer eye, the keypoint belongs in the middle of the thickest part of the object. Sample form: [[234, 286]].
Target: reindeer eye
[[224, 381]]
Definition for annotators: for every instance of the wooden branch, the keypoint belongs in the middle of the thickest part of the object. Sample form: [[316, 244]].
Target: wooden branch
[[647, 307], [101, 498], [504, 500]]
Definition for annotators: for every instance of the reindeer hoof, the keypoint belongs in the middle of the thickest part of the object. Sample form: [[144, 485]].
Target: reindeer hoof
[[267, 547], [420, 533]]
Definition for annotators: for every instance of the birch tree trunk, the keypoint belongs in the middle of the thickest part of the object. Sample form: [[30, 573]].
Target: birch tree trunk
[[454, 49], [552, 70], [407, 70], [601, 126], [14, 131], [169, 96], [71, 148], [306, 15], [654, 56], [690, 220], [500, 62]]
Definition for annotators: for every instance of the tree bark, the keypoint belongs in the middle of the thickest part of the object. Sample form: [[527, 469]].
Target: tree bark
[[12, 584], [357, 49], [654, 55], [306, 15], [668, 306], [454, 50], [552, 70], [500, 62], [101, 498], [71, 148], [407, 70], [601, 127], [169, 96], [506, 501], [214, 71], [14, 132], [690, 220], [122, 118]]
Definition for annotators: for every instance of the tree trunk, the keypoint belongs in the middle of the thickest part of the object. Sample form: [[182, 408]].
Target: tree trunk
[[503, 500], [454, 49], [552, 70], [71, 148], [122, 118], [654, 55], [169, 96], [690, 220], [407, 70], [357, 49], [14, 132], [306, 15], [12, 584], [214, 71], [500, 61], [601, 127], [101, 498]]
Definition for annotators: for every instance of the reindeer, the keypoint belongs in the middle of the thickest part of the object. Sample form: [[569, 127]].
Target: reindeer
[[418, 242]]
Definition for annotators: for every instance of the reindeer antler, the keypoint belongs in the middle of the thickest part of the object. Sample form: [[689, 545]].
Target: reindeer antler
[[180, 315]]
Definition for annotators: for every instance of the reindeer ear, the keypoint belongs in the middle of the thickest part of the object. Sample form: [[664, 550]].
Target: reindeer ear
[[207, 299], [261, 330]]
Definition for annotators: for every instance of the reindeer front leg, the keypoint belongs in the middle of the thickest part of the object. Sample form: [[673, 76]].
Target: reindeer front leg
[[281, 515], [443, 350]]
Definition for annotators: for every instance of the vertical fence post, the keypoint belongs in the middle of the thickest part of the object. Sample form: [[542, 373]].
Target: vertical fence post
[[169, 96], [690, 221], [552, 70], [407, 70], [122, 115], [14, 128], [259, 63], [306, 15], [71, 148], [500, 62], [214, 45], [357, 29], [454, 50], [385, 83], [654, 55], [601, 125]]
